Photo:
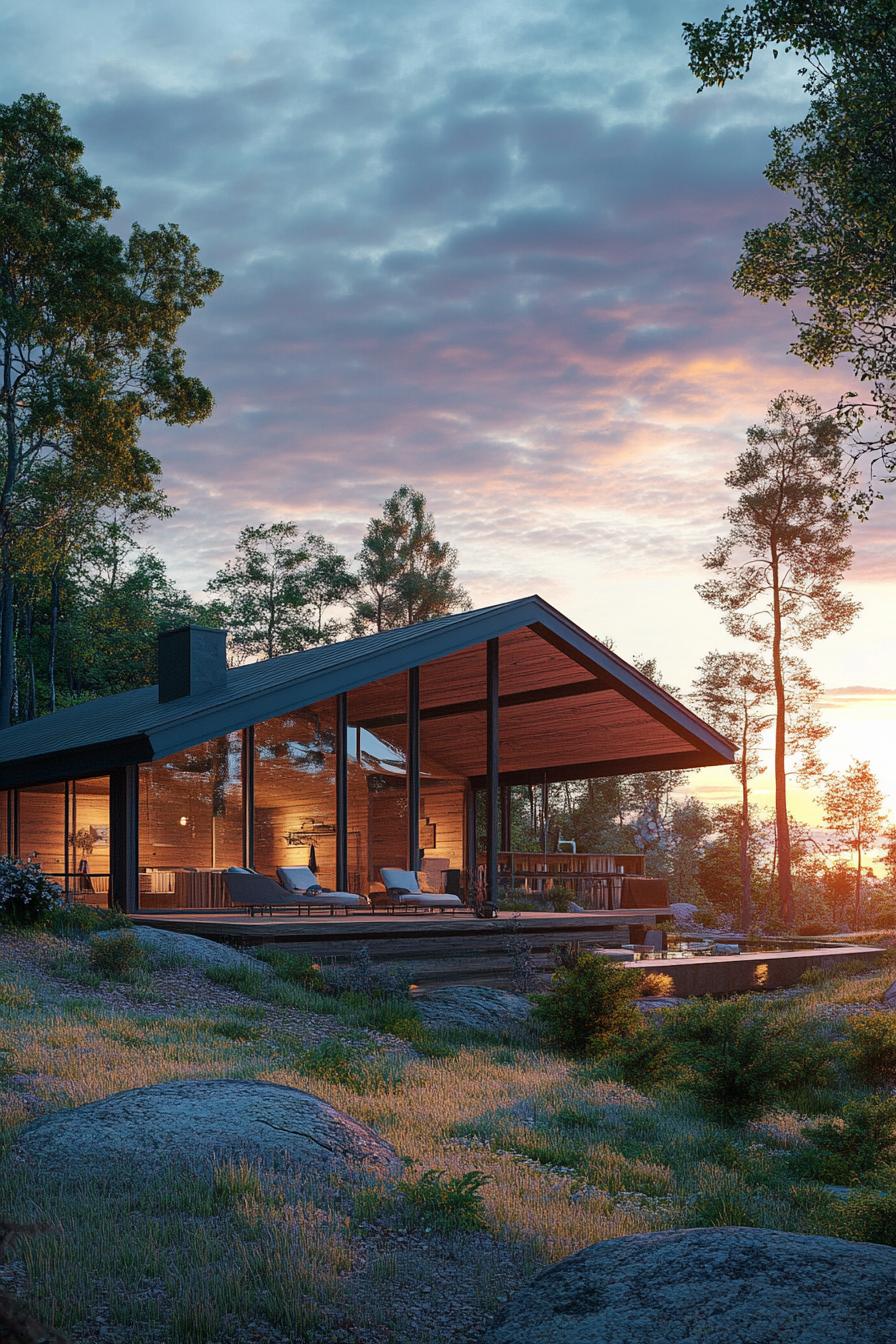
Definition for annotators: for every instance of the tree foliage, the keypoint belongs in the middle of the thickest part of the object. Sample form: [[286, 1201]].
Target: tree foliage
[[854, 811], [88, 341], [834, 252], [777, 571], [405, 573], [278, 591]]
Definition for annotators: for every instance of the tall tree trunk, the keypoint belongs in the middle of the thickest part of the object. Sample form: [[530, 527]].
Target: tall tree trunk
[[782, 820], [31, 702], [7, 642], [7, 589], [858, 894], [746, 894], [54, 636]]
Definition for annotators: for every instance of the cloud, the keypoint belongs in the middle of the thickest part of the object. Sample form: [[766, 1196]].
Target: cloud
[[479, 248]]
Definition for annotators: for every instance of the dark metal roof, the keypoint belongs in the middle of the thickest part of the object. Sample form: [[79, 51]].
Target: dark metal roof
[[92, 738]]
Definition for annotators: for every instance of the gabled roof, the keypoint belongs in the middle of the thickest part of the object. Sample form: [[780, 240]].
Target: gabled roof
[[94, 737]]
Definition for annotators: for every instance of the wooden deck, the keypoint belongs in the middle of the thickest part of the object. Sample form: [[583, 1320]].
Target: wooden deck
[[435, 948]]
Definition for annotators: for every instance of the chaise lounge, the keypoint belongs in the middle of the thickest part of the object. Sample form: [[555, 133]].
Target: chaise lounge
[[255, 891], [305, 885], [403, 892]]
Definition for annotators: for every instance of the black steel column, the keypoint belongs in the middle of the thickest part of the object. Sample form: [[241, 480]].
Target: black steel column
[[69, 834], [342, 792], [505, 818], [470, 854], [544, 815], [412, 766], [492, 768], [247, 779], [123, 796]]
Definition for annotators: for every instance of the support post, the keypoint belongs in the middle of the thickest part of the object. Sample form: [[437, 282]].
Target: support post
[[412, 766], [123, 795], [342, 792], [470, 854], [492, 769], [247, 779], [544, 815], [505, 819], [69, 833], [16, 826]]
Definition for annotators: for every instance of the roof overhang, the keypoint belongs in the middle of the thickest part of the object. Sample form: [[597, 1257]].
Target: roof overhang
[[555, 679]]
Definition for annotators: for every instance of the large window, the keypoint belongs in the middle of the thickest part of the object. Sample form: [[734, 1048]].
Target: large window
[[295, 793], [65, 829], [88, 840], [42, 828], [190, 824]]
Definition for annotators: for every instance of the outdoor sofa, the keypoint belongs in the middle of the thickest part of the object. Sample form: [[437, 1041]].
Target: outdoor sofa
[[403, 892]]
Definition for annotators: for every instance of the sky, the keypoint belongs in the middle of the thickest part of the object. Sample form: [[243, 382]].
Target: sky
[[482, 248]]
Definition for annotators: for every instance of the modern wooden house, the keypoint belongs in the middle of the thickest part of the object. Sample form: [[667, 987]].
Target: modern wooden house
[[351, 757]]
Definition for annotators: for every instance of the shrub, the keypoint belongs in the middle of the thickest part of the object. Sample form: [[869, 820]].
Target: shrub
[[871, 1217], [656, 985], [117, 957], [863, 1141], [870, 1048], [646, 1058], [741, 1058], [338, 1063], [244, 979], [82, 921], [295, 967], [362, 975], [523, 969], [27, 896], [448, 1203], [590, 1003]]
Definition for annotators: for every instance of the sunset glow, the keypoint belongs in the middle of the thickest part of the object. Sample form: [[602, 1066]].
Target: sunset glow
[[496, 266]]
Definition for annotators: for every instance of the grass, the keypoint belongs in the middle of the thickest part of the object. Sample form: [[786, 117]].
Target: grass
[[517, 1157]]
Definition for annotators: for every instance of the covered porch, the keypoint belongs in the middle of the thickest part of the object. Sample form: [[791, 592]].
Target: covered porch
[[397, 750]]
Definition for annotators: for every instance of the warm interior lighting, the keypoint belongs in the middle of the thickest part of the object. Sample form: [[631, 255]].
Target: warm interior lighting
[[760, 975], [183, 821]]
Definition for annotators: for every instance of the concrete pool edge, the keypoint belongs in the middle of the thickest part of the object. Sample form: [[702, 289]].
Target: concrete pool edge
[[741, 972]]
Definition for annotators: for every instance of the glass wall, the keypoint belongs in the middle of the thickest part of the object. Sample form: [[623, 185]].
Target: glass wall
[[88, 840], [295, 793], [42, 828], [190, 824], [65, 829]]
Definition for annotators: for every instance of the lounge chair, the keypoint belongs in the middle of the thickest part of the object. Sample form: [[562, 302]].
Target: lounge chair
[[403, 892], [254, 891], [309, 891]]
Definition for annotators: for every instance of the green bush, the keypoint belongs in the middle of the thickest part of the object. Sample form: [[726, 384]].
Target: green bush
[[859, 1146], [871, 1217], [83, 921], [117, 957], [244, 979], [27, 896], [740, 1058], [338, 1063], [590, 1004], [646, 1058], [448, 1203], [295, 967], [870, 1048]]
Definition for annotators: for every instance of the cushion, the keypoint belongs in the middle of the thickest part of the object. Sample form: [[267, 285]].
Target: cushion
[[402, 878]]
